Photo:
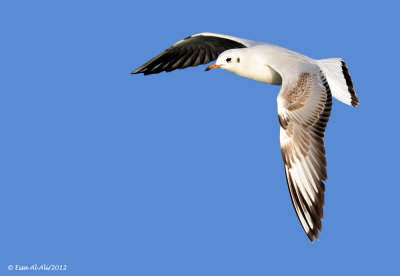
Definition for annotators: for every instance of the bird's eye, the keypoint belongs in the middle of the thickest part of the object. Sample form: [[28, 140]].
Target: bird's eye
[[238, 60], [228, 60]]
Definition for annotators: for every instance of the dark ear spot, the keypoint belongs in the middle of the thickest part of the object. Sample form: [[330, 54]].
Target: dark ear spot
[[238, 60]]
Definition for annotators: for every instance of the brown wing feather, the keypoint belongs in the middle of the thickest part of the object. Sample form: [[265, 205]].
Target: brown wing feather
[[303, 117]]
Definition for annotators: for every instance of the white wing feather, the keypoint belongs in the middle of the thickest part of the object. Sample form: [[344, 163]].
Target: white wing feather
[[304, 108]]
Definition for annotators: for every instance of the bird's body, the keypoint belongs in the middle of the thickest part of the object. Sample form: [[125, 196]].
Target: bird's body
[[255, 67], [304, 104]]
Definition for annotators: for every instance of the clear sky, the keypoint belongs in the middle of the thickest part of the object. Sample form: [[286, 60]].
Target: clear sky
[[181, 173]]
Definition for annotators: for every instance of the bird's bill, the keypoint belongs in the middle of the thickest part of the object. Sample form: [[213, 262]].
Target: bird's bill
[[213, 66]]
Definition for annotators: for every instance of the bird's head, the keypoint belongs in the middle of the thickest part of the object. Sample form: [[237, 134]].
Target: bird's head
[[228, 60]]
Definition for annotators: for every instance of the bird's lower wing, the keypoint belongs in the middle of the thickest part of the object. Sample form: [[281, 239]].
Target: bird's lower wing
[[304, 108]]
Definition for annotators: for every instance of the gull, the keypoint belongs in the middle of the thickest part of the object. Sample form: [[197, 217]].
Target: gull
[[304, 104]]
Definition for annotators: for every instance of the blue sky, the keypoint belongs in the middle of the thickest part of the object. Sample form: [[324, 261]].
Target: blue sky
[[181, 173]]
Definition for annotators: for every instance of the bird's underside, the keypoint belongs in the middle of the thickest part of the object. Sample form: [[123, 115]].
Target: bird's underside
[[304, 109]]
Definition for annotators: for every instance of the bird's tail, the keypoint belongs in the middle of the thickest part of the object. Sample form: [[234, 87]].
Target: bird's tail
[[339, 80]]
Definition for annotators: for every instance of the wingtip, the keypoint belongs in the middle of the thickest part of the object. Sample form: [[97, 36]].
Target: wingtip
[[313, 235], [139, 70]]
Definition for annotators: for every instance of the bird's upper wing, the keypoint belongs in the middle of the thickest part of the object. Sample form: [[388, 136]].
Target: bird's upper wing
[[192, 51], [304, 108]]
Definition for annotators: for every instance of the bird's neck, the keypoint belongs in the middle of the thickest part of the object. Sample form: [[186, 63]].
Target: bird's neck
[[258, 71]]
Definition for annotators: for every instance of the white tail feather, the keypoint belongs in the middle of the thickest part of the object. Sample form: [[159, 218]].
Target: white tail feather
[[339, 80]]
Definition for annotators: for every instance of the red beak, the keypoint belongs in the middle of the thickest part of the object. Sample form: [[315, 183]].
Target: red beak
[[213, 66]]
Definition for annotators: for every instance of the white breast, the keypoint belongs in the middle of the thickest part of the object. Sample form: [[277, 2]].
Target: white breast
[[256, 67]]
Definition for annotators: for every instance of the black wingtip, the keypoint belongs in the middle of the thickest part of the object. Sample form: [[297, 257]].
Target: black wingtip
[[311, 236]]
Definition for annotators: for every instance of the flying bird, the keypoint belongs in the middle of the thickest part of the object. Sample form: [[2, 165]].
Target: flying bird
[[304, 104]]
